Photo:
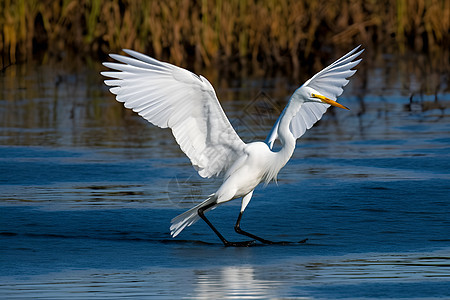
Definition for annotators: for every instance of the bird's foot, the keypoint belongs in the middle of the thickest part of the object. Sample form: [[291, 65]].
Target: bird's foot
[[238, 229], [282, 242], [264, 241], [238, 244]]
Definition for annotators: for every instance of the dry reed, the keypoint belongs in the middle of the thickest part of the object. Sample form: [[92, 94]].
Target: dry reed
[[265, 32]]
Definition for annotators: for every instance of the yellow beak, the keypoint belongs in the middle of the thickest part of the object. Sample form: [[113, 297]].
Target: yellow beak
[[329, 101]]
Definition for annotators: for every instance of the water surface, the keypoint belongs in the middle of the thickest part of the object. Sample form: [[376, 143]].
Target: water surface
[[88, 190]]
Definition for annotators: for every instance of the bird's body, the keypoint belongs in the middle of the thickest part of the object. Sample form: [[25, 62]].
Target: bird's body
[[169, 96], [248, 167]]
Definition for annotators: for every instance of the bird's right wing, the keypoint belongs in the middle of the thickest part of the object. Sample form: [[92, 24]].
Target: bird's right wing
[[169, 96], [330, 83]]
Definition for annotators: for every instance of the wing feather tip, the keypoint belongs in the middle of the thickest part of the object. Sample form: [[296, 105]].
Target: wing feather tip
[[115, 56]]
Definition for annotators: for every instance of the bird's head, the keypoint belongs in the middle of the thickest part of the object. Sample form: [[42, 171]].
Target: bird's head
[[326, 100], [311, 95]]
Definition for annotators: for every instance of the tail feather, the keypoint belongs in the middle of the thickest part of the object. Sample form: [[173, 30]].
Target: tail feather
[[188, 217]]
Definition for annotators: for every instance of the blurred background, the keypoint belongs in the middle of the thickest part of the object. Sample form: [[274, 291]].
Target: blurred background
[[257, 35]]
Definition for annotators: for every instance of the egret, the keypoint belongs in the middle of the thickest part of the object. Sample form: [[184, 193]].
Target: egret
[[172, 97]]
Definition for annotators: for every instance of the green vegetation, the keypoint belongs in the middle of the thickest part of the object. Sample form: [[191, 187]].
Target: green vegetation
[[266, 32]]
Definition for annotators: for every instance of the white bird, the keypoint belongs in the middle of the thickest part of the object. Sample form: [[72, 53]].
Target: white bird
[[172, 97]]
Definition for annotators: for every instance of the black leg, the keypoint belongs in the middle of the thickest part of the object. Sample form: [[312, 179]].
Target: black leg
[[201, 211], [238, 229]]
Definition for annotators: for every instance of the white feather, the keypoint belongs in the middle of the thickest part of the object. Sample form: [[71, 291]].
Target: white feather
[[169, 96], [329, 82]]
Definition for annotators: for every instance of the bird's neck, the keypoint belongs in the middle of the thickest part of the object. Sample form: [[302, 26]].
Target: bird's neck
[[285, 135], [288, 145]]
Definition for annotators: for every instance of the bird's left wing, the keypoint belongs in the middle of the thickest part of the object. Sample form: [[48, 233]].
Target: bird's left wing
[[329, 83], [169, 96]]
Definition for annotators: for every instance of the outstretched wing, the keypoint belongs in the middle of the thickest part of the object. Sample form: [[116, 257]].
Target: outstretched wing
[[169, 96], [330, 83]]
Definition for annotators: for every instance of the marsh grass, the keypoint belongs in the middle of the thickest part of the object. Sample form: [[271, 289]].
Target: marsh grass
[[206, 32]]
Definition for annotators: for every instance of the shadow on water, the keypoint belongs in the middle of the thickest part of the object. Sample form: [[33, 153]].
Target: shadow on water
[[88, 190]]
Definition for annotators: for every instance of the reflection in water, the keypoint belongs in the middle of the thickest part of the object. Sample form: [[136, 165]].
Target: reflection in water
[[234, 282], [394, 275], [306, 273]]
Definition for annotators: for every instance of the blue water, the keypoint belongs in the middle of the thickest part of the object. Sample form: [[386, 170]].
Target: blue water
[[88, 190]]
